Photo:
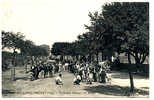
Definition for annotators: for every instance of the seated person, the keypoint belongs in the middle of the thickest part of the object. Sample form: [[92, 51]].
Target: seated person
[[59, 80], [77, 80]]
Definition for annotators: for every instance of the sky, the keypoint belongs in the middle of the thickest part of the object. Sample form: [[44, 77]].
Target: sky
[[48, 21]]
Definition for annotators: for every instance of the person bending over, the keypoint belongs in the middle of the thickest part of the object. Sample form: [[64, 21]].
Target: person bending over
[[77, 80]]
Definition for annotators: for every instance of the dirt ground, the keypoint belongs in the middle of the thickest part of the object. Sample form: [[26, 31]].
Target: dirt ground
[[118, 87]]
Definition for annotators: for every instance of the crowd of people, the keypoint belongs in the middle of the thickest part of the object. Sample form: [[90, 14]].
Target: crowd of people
[[91, 72], [83, 71]]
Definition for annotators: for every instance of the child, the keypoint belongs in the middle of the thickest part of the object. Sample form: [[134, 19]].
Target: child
[[90, 78], [108, 77]]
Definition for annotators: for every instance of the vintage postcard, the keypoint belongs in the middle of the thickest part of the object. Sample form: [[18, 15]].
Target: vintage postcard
[[75, 49]]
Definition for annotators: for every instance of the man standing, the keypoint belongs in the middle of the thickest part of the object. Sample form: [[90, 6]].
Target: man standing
[[103, 76]]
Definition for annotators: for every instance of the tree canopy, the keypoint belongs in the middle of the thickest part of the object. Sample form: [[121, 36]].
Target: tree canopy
[[120, 27], [27, 47]]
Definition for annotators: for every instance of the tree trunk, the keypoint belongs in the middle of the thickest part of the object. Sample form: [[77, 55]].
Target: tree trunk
[[129, 59], [97, 56], [25, 64], [13, 67], [131, 81], [130, 75], [13, 73], [137, 62]]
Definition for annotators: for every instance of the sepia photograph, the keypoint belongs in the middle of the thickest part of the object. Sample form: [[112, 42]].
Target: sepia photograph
[[75, 49]]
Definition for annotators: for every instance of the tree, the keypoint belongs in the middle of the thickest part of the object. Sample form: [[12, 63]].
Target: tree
[[26, 52], [6, 42], [27, 48], [100, 34], [12, 41], [61, 48], [131, 20], [123, 27], [46, 47], [130, 24]]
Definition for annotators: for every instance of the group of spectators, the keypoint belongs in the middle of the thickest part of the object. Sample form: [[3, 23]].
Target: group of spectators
[[83, 71], [88, 72], [46, 68], [41, 70]]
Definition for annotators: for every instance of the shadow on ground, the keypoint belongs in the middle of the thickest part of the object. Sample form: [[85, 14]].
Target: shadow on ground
[[7, 92], [125, 75], [114, 90], [22, 78]]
